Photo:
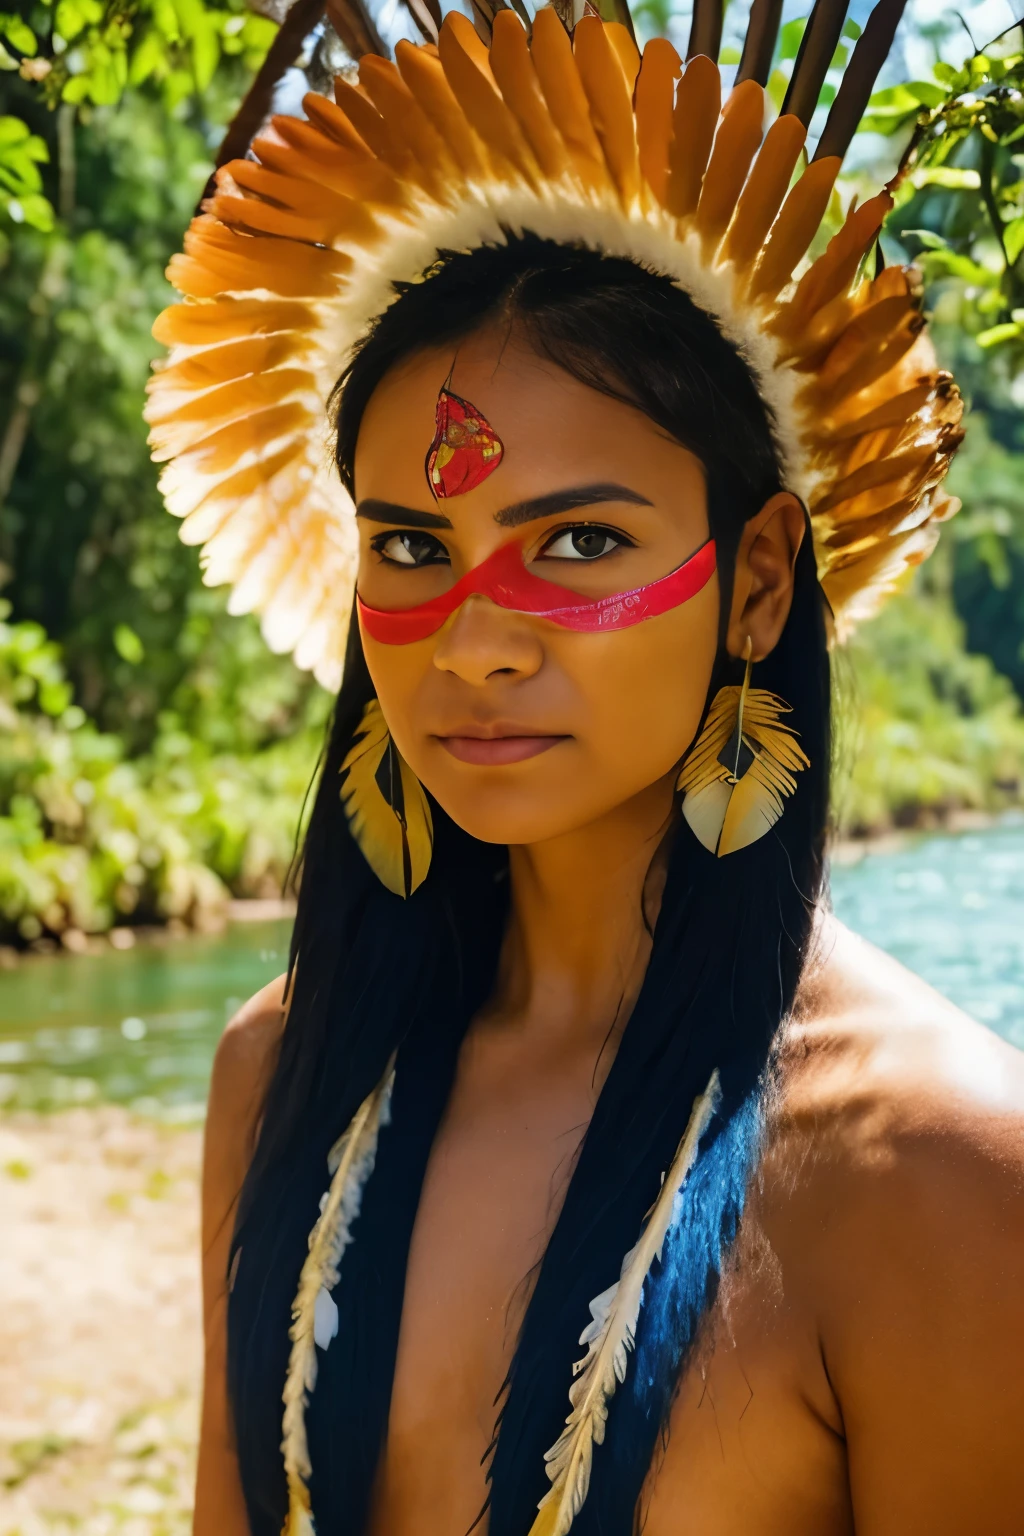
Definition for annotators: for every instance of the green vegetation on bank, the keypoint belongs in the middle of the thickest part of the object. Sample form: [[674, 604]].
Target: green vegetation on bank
[[90, 838], [153, 754]]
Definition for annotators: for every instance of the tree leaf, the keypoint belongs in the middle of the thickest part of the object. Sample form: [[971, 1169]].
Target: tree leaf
[[996, 334], [19, 34], [1013, 239], [956, 177]]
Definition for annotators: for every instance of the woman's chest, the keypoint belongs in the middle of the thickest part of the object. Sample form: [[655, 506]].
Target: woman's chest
[[491, 1196], [754, 1448]]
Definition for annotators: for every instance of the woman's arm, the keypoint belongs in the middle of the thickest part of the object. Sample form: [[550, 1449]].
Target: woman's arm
[[242, 1067]]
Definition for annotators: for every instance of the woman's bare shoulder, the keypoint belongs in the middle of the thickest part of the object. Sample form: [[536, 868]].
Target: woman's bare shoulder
[[250, 1040], [876, 1052], [892, 1198], [243, 1065], [895, 1177]]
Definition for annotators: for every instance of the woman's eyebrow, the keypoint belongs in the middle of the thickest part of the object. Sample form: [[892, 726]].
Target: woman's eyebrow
[[569, 500], [392, 512]]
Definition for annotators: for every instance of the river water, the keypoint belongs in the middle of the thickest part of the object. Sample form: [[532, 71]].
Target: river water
[[139, 1027]]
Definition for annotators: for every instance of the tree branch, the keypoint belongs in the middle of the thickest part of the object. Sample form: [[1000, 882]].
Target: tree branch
[[299, 22], [356, 28]]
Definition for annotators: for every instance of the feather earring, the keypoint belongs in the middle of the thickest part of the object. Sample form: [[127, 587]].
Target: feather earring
[[388, 812], [741, 769], [609, 1337]]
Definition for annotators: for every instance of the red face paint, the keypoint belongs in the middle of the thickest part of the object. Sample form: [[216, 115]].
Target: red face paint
[[465, 450], [506, 581]]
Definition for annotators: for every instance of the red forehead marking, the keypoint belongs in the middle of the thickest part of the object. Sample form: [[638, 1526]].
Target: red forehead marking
[[465, 450], [506, 581]]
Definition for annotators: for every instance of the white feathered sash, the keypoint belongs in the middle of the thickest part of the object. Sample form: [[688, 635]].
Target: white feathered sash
[[609, 1338], [314, 1314]]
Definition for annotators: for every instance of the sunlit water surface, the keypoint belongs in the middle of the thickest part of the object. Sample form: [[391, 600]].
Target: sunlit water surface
[[140, 1027]]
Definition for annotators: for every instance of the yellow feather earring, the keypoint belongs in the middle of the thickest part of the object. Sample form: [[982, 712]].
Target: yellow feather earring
[[740, 771], [388, 812]]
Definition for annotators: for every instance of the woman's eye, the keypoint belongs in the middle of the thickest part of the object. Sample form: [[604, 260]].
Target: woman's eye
[[410, 548], [584, 543]]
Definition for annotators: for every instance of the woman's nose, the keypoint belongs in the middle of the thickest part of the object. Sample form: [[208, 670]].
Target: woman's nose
[[484, 641]]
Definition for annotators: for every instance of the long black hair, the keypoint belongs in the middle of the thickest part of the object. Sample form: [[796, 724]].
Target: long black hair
[[372, 973]]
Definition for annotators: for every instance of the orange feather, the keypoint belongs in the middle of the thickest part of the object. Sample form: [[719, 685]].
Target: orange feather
[[736, 142], [202, 325], [834, 271], [795, 228], [762, 196], [395, 102], [332, 121], [655, 88], [625, 50], [256, 433], [421, 70], [375, 130], [611, 109], [559, 78], [478, 96], [517, 80], [697, 109]]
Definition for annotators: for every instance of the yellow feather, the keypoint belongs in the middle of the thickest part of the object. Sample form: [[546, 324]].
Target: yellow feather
[[395, 840], [729, 802]]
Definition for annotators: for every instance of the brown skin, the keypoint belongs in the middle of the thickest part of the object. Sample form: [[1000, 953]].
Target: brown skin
[[864, 1367]]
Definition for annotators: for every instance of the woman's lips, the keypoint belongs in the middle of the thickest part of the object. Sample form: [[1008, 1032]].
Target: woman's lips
[[496, 750]]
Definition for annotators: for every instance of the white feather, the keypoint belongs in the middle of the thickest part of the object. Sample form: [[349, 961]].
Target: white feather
[[350, 1162], [610, 1336]]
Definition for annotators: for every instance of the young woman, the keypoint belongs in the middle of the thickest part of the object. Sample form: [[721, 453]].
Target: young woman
[[570, 1044]]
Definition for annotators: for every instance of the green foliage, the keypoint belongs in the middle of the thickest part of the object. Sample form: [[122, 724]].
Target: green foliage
[[89, 52], [926, 726], [89, 838], [961, 205], [21, 185], [986, 549]]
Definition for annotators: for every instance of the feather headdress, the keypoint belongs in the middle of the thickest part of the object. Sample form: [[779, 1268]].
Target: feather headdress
[[578, 140], [314, 1312], [609, 1338]]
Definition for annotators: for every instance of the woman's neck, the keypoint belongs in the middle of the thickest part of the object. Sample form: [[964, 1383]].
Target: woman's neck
[[578, 938]]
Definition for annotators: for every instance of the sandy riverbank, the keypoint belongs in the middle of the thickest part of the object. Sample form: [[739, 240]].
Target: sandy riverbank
[[99, 1324]]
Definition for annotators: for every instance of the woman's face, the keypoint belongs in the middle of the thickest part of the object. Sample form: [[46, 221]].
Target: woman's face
[[521, 729]]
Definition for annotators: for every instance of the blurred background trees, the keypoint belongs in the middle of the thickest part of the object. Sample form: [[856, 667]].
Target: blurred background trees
[[153, 754]]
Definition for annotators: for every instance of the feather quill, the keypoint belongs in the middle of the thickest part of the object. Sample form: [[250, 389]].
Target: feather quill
[[609, 1338], [350, 1162]]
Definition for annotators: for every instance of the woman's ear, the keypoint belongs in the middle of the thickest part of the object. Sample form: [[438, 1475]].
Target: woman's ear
[[763, 584]]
